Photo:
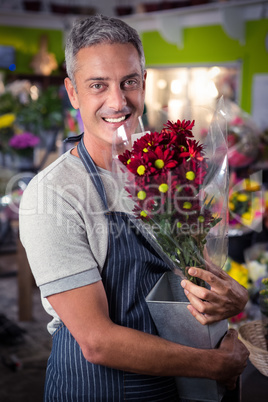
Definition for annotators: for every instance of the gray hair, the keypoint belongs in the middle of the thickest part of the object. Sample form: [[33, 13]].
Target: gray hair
[[95, 30]]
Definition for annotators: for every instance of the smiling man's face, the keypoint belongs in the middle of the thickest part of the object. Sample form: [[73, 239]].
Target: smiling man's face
[[110, 91]]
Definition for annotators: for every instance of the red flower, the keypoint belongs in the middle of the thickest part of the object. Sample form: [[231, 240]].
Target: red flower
[[181, 127], [125, 158], [150, 141], [137, 166], [194, 150], [161, 160]]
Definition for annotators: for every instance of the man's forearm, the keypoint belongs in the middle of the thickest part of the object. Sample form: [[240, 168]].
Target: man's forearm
[[130, 350], [85, 313]]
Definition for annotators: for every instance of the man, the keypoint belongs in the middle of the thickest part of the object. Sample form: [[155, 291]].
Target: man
[[94, 281]]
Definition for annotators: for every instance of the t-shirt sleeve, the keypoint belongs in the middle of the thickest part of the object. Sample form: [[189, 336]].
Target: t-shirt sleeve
[[54, 234]]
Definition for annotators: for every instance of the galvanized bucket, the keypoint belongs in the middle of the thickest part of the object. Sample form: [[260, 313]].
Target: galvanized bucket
[[168, 307]]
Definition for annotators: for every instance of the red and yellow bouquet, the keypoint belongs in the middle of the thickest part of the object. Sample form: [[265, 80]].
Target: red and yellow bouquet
[[178, 186]]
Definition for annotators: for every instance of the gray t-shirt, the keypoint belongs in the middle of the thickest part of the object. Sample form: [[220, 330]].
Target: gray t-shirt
[[63, 227]]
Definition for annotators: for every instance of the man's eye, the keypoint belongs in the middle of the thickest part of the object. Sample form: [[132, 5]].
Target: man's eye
[[96, 86], [131, 84]]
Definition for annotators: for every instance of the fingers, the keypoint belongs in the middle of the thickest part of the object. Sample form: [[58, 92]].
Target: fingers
[[232, 383], [202, 318], [238, 350], [207, 276], [235, 357], [230, 335], [220, 286], [225, 298], [206, 306]]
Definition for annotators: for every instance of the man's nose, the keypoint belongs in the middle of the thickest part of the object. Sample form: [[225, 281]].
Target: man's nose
[[117, 99]]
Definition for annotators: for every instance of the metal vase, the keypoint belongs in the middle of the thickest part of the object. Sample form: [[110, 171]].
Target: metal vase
[[168, 307]]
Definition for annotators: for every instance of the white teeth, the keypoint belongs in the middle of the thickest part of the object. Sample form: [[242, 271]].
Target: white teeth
[[115, 120]]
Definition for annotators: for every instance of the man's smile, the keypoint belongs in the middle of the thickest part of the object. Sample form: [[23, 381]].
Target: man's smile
[[116, 120]]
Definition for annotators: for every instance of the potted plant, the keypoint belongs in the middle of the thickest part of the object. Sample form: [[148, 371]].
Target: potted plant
[[42, 116], [22, 146]]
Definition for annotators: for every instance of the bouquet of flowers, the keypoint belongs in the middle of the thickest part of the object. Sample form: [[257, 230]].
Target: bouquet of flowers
[[177, 184], [179, 189]]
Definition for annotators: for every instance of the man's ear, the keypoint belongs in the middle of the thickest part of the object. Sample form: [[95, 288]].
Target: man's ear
[[71, 93], [144, 79]]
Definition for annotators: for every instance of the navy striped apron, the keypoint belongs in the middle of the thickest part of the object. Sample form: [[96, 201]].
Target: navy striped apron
[[131, 270]]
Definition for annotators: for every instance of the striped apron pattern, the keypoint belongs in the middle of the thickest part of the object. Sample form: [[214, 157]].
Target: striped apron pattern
[[131, 270]]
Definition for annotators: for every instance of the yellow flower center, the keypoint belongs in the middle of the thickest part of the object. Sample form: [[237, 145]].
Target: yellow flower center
[[128, 161], [187, 205], [145, 150], [163, 188], [179, 225], [190, 175], [242, 197], [141, 170], [144, 214], [246, 217], [159, 164], [251, 185], [141, 195], [201, 218]]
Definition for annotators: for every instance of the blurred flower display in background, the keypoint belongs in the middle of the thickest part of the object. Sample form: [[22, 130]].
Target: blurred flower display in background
[[255, 268], [25, 108], [264, 146], [251, 275], [24, 143], [9, 106], [73, 124], [246, 203], [256, 258], [30, 122], [243, 137], [42, 113], [237, 271], [6, 130]]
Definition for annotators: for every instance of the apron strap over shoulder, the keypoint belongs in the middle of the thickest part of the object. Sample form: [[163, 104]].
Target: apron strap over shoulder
[[93, 171]]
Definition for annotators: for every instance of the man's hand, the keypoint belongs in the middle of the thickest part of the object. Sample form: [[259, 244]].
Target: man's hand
[[225, 299], [236, 354]]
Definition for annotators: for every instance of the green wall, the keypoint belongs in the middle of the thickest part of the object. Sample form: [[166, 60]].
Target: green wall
[[26, 42], [211, 45]]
